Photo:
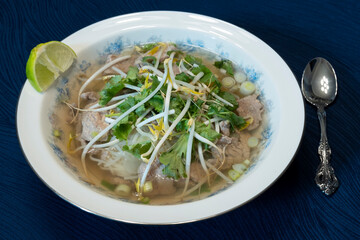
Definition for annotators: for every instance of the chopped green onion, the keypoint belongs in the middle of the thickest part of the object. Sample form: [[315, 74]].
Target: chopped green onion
[[253, 142], [56, 133], [148, 187], [239, 167], [240, 77], [247, 88], [123, 189], [233, 174], [145, 200], [108, 185], [228, 82], [247, 162]]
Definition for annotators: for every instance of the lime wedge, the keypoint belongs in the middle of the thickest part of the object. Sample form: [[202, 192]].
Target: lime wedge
[[46, 62]]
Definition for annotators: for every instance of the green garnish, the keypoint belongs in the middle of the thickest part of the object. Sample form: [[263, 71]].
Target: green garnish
[[147, 47], [108, 185], [183, 77], [206, 131], [149, 59], [231, 99], [216, 110], [111, 88], [174, 159], [138, 149], [225, 64]]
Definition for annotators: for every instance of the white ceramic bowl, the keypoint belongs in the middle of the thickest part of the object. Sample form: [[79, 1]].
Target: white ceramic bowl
[[279, 90]]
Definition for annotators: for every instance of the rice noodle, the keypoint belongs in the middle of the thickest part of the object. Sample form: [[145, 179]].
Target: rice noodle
[[171, 71], [185, 69], [185, 84], [116, 99], [215, 119], [162, 48], [156, 71], [132, 87], [103, 68], [188, 155], [202, 161], [157, 116], [143, 115], [104, 145], [206, 141], [149, 135], [167, 101], [197, 78], [163, 139], [96, 109], [217, 127], [119, 71], [228, 180], [222, 100], [98, 136]]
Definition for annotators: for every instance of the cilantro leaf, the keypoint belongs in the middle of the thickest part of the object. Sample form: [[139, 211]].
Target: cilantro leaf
[[177, 53], [183, 77], [127, 104], [200, 68], [182, 125], [222, 112], [140, 110], [230, 98], [138, 149], [206, 131], [177, 104], [209, 79], [147, 47], [111, 88], [195, 107], [157, 102], [191, 59], [225, 64], [174, 159], [149, 59], [132, 75], [122, 131]]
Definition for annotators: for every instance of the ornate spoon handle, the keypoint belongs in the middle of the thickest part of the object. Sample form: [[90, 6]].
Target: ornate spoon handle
[[325, 177]]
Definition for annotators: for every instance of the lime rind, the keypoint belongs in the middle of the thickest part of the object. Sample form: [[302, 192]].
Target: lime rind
[[46, 62]]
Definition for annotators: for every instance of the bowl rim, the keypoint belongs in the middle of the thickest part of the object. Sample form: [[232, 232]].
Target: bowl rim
[[149, 13]]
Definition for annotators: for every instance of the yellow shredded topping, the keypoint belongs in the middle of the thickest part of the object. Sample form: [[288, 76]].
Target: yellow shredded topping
[[137, 185], [156, 130], [147, 83], [248, 122], [154, 50], [188, 90], [71, 137]]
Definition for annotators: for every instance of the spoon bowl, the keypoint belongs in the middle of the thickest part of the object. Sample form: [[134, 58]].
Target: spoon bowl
[[319, 87], [319, 82]]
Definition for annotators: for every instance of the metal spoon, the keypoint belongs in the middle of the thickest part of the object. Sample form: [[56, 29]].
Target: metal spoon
[[319, 87]]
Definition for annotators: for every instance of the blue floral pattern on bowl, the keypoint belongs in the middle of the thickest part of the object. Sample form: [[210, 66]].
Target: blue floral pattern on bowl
[[188, 45]]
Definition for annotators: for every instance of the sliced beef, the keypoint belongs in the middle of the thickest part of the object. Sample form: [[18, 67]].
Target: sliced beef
[[235, 152], [225, 127], [222, 143], [197, 172], [92, 124], [119, 180], [250, 106], [162, 185], [90, 96]]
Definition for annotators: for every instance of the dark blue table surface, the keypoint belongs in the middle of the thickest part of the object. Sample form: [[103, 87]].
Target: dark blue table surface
[[293, 208]]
